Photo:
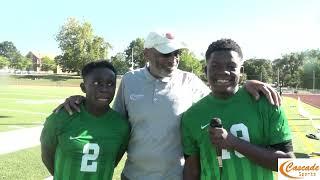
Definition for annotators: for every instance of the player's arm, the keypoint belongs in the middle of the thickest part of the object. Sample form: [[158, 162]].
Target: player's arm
[[254, 87], [191, 169], [47, 155], [49, 141], [266, 157]]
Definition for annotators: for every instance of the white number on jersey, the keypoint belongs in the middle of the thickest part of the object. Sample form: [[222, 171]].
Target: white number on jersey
[[85, 166], [245, 136]]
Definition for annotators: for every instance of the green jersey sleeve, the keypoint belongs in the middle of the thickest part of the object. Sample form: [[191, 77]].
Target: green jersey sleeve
[[52, 127], [276, 124], [48, 136], [189, 143]]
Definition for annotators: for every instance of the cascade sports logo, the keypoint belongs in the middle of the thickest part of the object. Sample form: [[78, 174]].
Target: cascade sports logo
[[299, 169]]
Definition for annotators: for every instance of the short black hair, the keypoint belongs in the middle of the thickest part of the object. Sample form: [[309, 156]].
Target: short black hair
[[88, 68], [223, 44]]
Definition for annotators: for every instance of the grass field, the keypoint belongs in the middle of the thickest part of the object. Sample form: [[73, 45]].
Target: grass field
[[26, 106]]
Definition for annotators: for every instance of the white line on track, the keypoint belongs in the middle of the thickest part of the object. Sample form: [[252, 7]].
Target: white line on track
[[26, 112], [33, 95], [34, 101]]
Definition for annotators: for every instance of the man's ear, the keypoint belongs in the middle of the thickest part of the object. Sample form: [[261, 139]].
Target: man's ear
[[83, 87]]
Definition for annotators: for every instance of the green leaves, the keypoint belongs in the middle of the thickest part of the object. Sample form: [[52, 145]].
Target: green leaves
[[189, 62], [259, 69], [48, 64], [120, 64], [79, 45], [3, 62], [135, 52]]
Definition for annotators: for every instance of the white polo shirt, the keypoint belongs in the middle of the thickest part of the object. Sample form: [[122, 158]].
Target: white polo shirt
[[154, 107]]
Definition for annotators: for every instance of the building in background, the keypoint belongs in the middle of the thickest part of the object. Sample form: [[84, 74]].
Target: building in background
[[36, 58]]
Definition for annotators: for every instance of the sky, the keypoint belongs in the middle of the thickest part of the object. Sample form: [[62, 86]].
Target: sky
[[263, 28]]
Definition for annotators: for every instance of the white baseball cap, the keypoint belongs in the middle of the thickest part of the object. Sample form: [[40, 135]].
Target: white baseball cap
[[163, 42]]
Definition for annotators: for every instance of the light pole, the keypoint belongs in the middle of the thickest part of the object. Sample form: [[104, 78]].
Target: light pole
[[131, 68], [313, 80], [278, 77]]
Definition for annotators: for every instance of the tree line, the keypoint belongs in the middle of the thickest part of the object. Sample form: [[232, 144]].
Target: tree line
[[79, 45], [296, 69]]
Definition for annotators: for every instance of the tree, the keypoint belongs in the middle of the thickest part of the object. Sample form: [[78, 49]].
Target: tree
[[26, 63], [136, 48], [311, 69], [3, 62], [290, 67], [9, 50], [259, 69], [79, 45], [48, 64], [188, 62], [120, 64], [21, 63]]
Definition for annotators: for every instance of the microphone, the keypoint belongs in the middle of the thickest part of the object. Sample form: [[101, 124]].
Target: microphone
[[216, 123]]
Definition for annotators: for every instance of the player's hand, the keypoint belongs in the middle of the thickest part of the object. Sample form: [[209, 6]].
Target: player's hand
[[221, 138], [254, 87], [71, 104]]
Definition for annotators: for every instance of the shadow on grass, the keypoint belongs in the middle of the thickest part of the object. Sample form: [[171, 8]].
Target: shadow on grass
[[49, 77], [301, 155], [5, 116]]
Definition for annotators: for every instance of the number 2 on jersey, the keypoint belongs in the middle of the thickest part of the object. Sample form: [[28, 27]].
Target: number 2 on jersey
[[87, 156], [245, 136]]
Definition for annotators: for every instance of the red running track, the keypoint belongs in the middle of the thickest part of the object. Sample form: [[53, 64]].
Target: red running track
[[311, 99]]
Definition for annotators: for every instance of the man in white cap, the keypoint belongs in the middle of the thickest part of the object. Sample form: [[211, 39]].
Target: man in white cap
[[153, 99]]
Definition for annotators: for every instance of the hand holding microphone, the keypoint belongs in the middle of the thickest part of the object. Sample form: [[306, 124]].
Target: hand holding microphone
[[216, 123], [219, 136]]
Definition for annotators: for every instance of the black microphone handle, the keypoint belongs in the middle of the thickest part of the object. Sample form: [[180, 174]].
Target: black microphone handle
[[216, 123]]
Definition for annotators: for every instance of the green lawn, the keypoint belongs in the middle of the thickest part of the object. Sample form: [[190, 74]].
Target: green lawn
[[43, 80], [26, 106], [27, 164], [24, 164]]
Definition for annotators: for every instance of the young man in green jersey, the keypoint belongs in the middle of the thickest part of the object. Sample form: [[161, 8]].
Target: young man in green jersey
[[89, 144], [254, 134]]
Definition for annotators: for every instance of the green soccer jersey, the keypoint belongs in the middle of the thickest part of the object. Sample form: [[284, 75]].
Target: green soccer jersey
[[258, 122], [86, 146]]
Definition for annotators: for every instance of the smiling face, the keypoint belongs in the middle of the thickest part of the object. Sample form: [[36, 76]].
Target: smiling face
[[99, 86], [162, 65], [223, 72]]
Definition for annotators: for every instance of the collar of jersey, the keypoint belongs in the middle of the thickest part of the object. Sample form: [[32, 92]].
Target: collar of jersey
[[232, 98], [90, 116]]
